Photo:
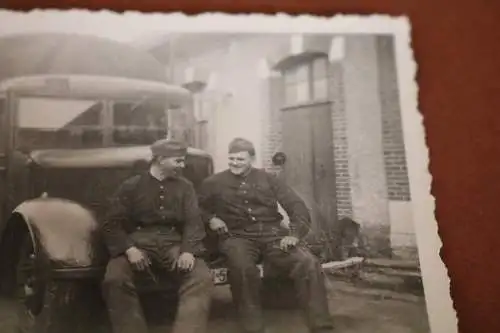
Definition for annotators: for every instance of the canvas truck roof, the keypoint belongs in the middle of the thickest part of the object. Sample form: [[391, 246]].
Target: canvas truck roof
[[96, 86]]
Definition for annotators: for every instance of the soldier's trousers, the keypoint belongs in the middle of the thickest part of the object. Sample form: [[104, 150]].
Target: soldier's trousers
[[124, 308], [299, 264]]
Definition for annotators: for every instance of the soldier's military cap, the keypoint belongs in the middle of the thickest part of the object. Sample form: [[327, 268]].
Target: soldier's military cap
[[168, 148], [239, 144]]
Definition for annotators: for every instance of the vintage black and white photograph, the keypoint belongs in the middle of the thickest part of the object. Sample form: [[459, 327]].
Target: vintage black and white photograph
[[214, 173]]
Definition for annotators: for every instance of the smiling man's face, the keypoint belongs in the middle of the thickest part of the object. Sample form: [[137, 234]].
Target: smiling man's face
[[240, 162]]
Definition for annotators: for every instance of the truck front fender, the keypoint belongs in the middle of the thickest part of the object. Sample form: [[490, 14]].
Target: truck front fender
[[63, 235], [64, 230]]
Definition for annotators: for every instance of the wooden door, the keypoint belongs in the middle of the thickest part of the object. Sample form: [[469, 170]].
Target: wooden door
[[310, 169], [297, 145]]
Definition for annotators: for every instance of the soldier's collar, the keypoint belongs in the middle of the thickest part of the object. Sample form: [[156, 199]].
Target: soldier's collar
[[245, 175]]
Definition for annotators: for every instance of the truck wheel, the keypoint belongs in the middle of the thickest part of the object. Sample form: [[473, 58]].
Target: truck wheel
[[46, 305], [31, 289]]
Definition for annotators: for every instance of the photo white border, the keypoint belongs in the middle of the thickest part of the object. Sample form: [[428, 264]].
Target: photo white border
[[442, 317]]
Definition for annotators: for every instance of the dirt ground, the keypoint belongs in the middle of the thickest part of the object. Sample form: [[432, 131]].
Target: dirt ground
[[353, 311]]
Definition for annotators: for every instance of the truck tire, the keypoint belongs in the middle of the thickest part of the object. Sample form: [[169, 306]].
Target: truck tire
[[47, 305], [30, 289]]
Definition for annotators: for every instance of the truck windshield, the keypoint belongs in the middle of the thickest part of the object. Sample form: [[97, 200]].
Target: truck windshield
[[53, 123]]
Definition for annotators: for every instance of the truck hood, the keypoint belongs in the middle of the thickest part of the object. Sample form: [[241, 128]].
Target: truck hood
[[97, 158]]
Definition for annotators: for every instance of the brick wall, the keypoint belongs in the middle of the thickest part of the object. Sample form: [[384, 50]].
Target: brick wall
[[340, 144], [393, 144], [273, 139]]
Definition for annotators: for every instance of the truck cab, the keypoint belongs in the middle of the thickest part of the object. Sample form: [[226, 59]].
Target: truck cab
[[66, 143]]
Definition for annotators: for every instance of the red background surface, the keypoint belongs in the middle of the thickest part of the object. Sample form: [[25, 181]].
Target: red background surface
[[457, 47]]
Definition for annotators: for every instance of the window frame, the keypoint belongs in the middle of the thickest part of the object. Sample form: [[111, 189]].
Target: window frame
[[16, 127], [290, 79]]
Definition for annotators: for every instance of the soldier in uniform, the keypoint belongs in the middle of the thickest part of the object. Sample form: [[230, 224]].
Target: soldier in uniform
[[154, 221], [241, 205]]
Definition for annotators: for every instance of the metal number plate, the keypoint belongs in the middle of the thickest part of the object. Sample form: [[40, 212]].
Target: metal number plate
[[219, 275]]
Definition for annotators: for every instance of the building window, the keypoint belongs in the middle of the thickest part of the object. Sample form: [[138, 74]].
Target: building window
[[307, 82]]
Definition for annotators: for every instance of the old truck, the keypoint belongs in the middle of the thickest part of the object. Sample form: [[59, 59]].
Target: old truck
[[68, 141], [73, 125]]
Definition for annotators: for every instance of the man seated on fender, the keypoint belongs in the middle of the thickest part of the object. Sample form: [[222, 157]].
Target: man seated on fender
[[154, 219], [241, 205]]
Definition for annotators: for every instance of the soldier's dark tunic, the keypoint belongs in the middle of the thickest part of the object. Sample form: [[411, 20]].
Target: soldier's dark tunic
[[248, 205], [162, 218]]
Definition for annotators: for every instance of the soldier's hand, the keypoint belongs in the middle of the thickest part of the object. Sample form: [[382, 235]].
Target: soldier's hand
[[137, 258], [185, 262], [217, 225], [288, 242]]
